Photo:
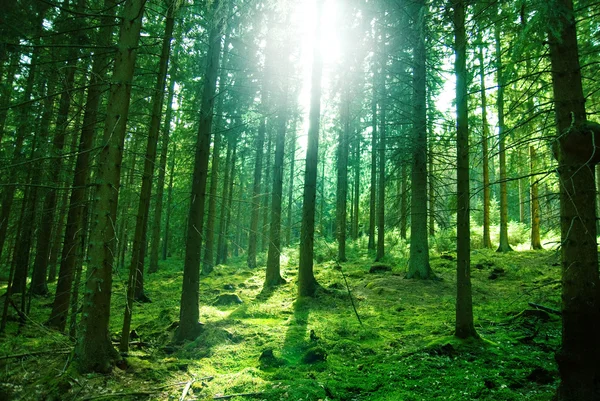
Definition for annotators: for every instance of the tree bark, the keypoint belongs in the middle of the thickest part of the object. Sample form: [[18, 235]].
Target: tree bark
[[356, 200], [536, 242], [307, 284], [94, 350], [71, 255], [256, 196], [189, 327], [135, 285], [576, 151], [273, 274], [418, 263], [373, 188], [160, 183], [38, 284], [485, 133], [342, 175], [381, 188], [464, 303], [503, 246], [290, 203]]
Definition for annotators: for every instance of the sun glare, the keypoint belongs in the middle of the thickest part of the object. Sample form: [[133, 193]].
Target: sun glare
[[305, 17]]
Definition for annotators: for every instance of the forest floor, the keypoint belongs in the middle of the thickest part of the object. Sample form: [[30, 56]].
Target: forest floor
[[263, 348]]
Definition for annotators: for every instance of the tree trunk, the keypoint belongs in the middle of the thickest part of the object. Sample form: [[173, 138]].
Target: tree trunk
[[418, 264], [576, 153], [536, 242], [373, 189], [355, 216], [189, 327], [224, 196], [160, 183], [464, 304], [267, 191], [290, 205], [23, 126], [273, 275], [165, 245], [94, 350], [485, 132], [342, 175], [307, 284], [503, 246], [403, 200], [208, 259], [381, 187], [38, 283], [135, 285], [71, 255], [256, 196]]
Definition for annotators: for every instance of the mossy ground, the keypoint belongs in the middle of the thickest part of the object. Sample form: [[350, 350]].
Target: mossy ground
[[404, 350]]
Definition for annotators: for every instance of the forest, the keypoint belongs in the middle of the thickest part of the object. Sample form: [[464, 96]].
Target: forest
[[299, 200]]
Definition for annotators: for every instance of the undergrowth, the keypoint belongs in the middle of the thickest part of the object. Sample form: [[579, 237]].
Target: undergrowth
[[275, 347]]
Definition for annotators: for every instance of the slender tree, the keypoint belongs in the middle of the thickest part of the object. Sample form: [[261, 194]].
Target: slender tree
[[418, 264], [94, 350], [307, 284], [71, 255], [189, 326], [503, 245], [464, 304], [485, 132], [135, 285]]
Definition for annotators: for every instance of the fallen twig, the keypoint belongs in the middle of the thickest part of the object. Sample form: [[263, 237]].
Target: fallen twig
[[227, 397], [111, 395], [186, 389], [545, 308], [35, 353]]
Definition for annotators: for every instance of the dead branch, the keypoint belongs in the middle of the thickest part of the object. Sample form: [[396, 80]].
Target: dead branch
[[227, 397], [186, 389], [545, 308]]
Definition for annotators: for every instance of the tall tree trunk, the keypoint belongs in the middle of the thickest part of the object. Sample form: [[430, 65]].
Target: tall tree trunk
[[290, 203], [307, 284], [6, 90], [576, 152], [503, 246], [135, 285], [230, 205], [342, 175], [464, 303], [256, 196], [71, 255], [220, 257], [403, 200], [165, 246], [418, 263], [38, 283], [381, 188], [208, 259], [267, 191], [94, 350], [189, 327], [373, 189], [160, 183], [23, 127], [273, 274], [356, 200], [536, 242], [485, 133]]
